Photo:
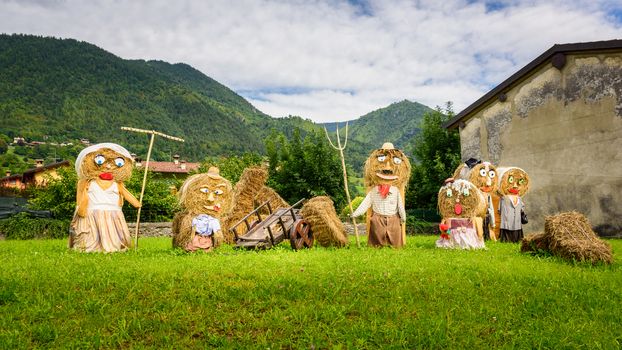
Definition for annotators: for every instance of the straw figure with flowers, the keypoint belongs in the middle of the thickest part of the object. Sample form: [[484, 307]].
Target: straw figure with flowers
[[98, 224], [513, 184], [459, 202], [483, 176], [203, 199], [386, 173]]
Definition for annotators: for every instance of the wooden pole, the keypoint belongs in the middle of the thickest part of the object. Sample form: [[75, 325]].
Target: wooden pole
[[345, 176], [142, 189]]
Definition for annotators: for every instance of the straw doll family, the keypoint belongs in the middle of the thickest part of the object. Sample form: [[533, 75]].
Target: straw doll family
[[210, 204]]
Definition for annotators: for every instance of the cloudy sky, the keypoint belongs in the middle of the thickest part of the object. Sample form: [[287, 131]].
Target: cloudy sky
[[329, 60]]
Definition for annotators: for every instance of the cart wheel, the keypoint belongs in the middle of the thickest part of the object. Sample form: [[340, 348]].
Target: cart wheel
[[300, 235]]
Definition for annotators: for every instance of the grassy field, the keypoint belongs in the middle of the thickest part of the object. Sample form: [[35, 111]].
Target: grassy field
[[417, 297]]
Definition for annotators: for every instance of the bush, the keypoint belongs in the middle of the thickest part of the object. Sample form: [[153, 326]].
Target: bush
[[22, 226], [345, 211]]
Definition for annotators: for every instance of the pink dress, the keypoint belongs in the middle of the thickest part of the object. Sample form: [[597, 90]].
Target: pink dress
[[462, 235], [103, 229]]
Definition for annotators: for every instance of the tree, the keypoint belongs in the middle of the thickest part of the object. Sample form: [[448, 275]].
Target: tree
[[437, 153], [304, 168], [231, 168]]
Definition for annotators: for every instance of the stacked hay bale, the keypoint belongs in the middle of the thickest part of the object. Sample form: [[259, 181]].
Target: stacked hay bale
[[569, 235], [327, 229], [249, 193]]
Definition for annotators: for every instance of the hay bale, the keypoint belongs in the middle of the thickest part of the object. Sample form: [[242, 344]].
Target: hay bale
[[571, 237], [460, 191], [327, 229], [267, 194], [535, 242]]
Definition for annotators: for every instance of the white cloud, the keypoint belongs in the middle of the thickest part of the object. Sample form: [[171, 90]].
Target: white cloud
[[329, 60]]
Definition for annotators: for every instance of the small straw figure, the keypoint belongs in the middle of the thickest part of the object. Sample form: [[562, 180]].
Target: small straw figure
[[459, 202], [98, 224], [484, 176], [203, 199], [387, 171], [513, 184]]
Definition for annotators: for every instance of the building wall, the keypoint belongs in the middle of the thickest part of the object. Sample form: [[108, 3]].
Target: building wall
[[564, 128]]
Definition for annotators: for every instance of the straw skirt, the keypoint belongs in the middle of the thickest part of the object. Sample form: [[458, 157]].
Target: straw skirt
[[100, 231]]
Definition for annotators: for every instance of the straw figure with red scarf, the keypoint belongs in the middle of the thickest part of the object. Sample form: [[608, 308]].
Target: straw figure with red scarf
[[387, 171]]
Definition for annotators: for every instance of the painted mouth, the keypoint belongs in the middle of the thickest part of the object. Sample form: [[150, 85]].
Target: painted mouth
[[513, 190], [106, 176], [386, 175], [458, 209], [486, 188], [215, 207]]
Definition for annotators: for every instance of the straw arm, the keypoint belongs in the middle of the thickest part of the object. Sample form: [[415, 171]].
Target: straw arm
[[153, 132]]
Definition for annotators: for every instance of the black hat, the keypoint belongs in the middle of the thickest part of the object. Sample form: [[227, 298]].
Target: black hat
[[471, 162]]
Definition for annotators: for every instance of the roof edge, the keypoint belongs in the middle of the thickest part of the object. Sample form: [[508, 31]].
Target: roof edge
[[543, 58]]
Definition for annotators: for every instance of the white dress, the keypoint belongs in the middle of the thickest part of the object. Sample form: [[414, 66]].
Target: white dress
[[103, 229]]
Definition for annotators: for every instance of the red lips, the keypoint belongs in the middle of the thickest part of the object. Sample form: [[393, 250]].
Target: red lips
[[458, 209], [513, 190], [106, 176]]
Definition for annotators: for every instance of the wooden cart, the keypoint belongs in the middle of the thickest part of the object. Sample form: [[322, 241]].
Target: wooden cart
[[264, 233]]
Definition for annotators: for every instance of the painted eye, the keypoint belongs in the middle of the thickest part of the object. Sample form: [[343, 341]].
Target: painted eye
[[511, 179], [397, 160], [381, 159], [119, 162], [204, 190], [521, 181], [465, 192], [219, 192], [492, 174], [449, 193], [99, 159], [482, 172]]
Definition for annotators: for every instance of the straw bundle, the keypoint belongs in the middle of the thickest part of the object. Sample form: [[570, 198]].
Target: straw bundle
[[327, 229], [268, 194], [571, 237], [535, 242], [454, 192], [512, 177]]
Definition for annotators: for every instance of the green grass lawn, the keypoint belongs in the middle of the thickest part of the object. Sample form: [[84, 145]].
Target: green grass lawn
[[417, 297]]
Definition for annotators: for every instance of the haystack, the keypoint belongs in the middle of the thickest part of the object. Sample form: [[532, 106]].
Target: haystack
[[569, 235], [535, 242], [250, 192], [327, 229]]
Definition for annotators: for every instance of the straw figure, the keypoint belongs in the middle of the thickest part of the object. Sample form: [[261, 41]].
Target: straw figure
[[459, 202], [483, 176], [98, 223], [250, 192], [328, 230], [569, 235], [203, 199], [386, 173], [513, 184]]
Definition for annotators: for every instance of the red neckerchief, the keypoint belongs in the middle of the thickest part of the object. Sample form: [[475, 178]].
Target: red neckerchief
[[384, 190]]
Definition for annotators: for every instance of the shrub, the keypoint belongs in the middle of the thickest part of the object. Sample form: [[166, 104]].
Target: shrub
[[22, 226]]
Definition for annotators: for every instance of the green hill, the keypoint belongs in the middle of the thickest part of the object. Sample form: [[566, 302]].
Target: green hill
[[62, 90], [397, 123]]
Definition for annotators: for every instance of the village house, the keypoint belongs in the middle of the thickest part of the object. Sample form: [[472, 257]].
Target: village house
[[560, 119], [37, 176]]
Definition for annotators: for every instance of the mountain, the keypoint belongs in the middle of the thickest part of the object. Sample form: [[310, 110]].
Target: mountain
[[398, 123], [62, 90]]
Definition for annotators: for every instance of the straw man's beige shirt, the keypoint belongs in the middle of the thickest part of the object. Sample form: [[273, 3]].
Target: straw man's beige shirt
[[388, 206]]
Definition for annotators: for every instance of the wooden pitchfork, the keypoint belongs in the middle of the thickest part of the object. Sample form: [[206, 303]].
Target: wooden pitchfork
[[345, 175]]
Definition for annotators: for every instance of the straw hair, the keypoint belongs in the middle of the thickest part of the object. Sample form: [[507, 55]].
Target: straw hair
[[569, 235], [89, 170], [327, 229], [517, 174], [471, 203], [374, 166]]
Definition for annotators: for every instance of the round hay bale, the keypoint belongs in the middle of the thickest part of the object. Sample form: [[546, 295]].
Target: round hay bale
[[535, 242], [512, 179], [327, 229], [571, 237], [385, 159], [461, 192]]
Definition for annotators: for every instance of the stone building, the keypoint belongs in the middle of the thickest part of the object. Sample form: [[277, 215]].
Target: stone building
[[560, 119]]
